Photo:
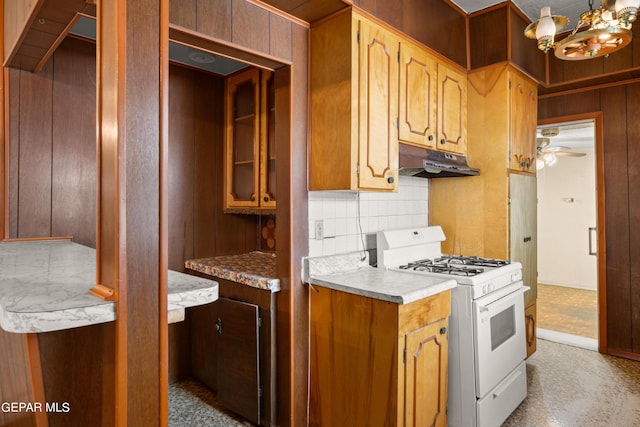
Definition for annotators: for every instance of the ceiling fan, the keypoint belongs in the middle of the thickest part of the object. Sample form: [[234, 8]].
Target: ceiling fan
[[548, 155]]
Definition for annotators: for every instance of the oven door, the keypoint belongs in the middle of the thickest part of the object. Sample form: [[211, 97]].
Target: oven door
[[499, 335]]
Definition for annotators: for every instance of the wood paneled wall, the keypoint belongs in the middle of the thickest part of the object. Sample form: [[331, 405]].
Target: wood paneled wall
[[603, 69], [257, 30], [438, 24], [72, 373], [52, 116], [620, 107], [197, 225], [18, 382], [52, 160], [42, 129], [496, 35]]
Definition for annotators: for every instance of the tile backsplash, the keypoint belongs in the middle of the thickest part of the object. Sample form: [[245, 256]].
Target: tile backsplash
[[337, 213]]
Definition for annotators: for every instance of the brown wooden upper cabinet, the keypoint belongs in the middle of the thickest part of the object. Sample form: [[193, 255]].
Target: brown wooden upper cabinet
[[433, 101], [524, 113], [250, 142], [354, 104]]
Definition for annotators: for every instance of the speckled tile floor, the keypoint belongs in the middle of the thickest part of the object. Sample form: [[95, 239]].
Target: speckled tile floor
[[573, 387], [193, 405], [567, 387]]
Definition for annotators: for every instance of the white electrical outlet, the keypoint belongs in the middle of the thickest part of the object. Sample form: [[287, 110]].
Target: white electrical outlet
[[319, 229]]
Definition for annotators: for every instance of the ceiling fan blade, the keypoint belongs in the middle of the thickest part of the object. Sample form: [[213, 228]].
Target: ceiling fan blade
[[555, 149], [570, 154]]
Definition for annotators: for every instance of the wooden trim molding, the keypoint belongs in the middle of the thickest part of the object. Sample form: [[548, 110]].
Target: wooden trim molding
[[163, 323], [4, 158], [110, 77]]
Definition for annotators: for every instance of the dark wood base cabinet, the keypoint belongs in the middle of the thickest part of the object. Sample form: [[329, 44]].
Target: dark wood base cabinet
[[233, 350]]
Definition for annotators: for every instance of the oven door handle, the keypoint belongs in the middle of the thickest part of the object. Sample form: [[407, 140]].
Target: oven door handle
[[522, 290]]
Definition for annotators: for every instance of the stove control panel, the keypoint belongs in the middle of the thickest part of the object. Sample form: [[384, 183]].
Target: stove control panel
[[488, 287]]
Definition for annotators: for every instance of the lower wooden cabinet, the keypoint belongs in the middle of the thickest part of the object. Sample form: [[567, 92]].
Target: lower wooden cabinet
[[238, 362], [233, 350], [378, 363], [530, 327]]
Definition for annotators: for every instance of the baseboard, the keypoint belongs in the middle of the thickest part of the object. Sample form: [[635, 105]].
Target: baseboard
[[569, 339]]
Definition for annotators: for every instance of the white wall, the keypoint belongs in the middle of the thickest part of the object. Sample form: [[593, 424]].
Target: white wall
[[566, 210], [338, 211]]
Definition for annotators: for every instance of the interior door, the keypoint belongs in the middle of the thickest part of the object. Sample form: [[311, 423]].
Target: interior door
[[239, 358], [524, 225]]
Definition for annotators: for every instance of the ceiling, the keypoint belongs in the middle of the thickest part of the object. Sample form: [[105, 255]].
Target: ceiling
[[575, 135], [217, 64], [531, 8]]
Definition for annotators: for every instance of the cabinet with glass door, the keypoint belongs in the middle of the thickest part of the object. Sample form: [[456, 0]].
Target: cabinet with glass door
[[250, 142]]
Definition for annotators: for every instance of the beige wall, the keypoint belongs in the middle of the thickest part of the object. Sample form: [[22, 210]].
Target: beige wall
[[566, 210]]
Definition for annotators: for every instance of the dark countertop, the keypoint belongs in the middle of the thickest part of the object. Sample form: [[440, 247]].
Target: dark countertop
[[255, 269]]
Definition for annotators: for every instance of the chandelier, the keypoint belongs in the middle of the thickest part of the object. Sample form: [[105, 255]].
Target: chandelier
[[599, 32]]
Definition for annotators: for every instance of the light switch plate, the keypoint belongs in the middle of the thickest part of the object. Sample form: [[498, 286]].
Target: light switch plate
[[319, 226]]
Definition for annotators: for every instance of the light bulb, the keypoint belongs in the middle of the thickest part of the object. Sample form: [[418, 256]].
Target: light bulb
[[550, 159], [627, 10], [621, 4], [546, 27]]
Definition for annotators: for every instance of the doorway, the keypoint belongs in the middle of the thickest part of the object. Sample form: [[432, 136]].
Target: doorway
[[567, 233]]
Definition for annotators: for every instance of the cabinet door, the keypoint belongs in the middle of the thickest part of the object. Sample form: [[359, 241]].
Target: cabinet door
[[426, 375], [239, 358], [378, 108], [204, 344], [452, 110], [524, 117], [268, 141], [242, 139], [523, 200], [417, 104]]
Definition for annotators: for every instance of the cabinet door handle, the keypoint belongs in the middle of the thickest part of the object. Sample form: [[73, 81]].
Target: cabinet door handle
[[390, 180], [442, 141], [430, 137], [265, 198], [527, 239], [443, 330], [219, 326], [531, 329]]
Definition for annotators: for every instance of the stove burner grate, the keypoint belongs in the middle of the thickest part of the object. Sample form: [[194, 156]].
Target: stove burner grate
[[430, 266], [472, 260]]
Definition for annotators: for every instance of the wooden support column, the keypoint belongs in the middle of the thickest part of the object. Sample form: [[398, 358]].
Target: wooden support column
[[132, 81]]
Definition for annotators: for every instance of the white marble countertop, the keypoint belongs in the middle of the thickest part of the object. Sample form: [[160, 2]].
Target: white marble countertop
[[352, 273], [44, 286]]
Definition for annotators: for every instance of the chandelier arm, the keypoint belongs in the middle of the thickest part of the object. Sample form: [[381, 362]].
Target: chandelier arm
[[598, 32]]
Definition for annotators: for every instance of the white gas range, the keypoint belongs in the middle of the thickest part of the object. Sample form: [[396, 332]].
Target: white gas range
[[487, 376]]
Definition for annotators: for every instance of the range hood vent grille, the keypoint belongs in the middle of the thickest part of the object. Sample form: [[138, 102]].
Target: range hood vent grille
[[426, 163]]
